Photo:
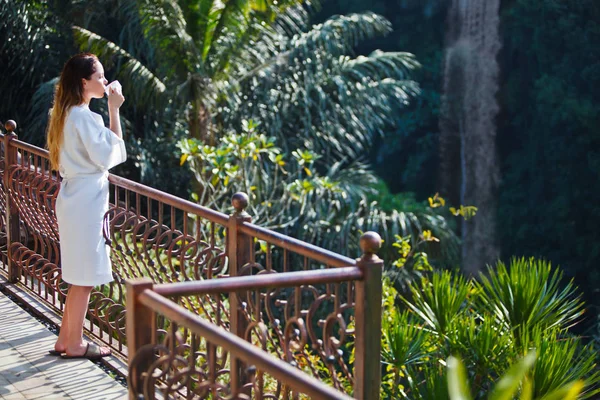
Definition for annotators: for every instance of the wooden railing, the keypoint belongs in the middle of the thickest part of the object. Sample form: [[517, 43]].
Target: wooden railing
[[216, 306]]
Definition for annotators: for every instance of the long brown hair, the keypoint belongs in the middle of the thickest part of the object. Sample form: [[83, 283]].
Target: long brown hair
[[68, 93]]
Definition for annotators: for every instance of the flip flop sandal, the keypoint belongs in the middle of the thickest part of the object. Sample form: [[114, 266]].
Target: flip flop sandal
[[55, 352], [92, 352]]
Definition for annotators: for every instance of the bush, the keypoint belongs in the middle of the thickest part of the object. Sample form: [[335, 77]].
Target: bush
[[490, 325]]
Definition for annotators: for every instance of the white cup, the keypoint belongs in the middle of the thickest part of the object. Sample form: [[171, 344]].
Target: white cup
[[116, 85]]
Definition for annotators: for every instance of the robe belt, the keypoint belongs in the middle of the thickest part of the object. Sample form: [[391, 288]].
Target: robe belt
[[98, 174], [105, 220]]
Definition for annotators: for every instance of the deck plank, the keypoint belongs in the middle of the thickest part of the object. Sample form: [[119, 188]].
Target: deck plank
[[27, 371]]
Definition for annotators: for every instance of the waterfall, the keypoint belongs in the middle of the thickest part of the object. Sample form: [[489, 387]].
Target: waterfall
[[469, 171]]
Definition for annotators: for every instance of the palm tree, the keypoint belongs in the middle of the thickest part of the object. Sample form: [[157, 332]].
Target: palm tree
[[198, 46], [315, 91], [218, 62]]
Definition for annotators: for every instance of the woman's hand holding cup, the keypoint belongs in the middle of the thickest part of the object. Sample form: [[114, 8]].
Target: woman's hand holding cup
[[115, 95]]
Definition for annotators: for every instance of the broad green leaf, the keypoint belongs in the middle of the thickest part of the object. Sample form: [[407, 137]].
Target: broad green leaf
[[569, 391], [527, 390], [458, 386], [508, 385]]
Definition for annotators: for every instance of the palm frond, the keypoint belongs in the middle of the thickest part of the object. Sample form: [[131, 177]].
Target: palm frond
[[34, 41], [234, 17], [379, 65], [234, 55], [339, 35], [138, 81], [440, 301], [405, 342], [253, 39], [355, 178], [562, 359], [226, 22], [132, 36], [528, 296], [293, 20], [340, 103], [165, 26], [196, 14], [41, 103]]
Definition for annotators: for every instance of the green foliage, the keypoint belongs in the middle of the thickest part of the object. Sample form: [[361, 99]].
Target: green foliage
[[197, 46], [482, 344], [449, 317], [406, 156], [405, 342], [32, 44], [200, 69], [440, 249], [508, 386], [183, 76], [458, 385], [288, 192], [439, 301], [529, 295], [317, 95], [410, 264], [562, 359]]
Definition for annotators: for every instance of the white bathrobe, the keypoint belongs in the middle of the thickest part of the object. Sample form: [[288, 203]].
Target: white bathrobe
[[89, 150]]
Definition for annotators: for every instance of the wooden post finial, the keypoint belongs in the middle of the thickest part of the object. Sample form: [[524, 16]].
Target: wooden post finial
[[10, 126], [239, 201], [370, 244]]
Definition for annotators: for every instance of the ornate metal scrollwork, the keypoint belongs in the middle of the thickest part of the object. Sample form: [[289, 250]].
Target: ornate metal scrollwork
[[309, 326]]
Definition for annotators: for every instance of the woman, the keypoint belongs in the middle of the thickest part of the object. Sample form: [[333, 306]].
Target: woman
[[82, 149]]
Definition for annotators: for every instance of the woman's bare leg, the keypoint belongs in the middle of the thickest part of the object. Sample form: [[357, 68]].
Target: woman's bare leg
[[63, 339], [78, 298]]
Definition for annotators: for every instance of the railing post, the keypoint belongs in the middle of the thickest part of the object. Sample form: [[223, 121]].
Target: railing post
[[140, 330], [367, 311], [12, 212], [239, 249]]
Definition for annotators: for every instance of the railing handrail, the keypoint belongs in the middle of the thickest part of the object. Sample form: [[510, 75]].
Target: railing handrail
[[286, 242], [264, 280], [169, 199], [245, 351], [38, 151], [298, 246]]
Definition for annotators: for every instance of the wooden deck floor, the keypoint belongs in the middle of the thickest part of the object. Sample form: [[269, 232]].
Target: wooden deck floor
[[27, 371]]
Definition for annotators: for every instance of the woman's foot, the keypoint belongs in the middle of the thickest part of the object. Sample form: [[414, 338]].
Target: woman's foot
[[59, 348], [87, 350]]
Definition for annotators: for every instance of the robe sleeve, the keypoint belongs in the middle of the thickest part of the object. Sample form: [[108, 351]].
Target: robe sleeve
[[105, 149]]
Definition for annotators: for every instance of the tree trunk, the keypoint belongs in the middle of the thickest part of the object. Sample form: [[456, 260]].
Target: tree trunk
[[199, 123], [469, 169]]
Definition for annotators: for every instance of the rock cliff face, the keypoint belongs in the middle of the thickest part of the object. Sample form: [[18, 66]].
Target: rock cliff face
[[469, 168]]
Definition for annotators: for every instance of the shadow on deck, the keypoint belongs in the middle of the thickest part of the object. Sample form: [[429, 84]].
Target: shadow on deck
[[27, 371]]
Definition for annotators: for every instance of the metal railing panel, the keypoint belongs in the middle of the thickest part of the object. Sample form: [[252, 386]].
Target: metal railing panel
[[311, 320]]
